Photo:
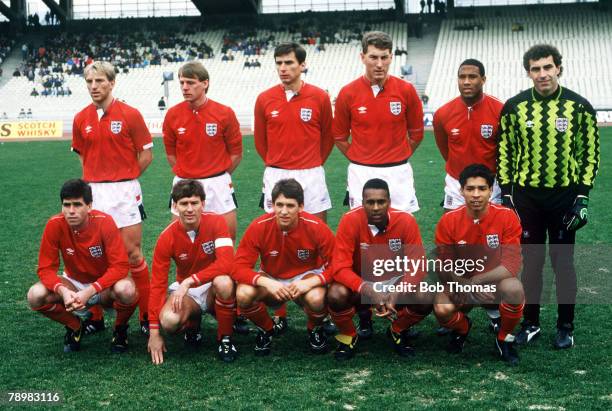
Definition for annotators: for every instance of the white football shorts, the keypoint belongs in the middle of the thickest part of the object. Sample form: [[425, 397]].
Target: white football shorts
[[122, 200], [399, 178], [219, 192], [197, 294], [312, 180]]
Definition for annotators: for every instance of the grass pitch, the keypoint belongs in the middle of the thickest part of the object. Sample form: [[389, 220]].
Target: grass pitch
[[32, 357]]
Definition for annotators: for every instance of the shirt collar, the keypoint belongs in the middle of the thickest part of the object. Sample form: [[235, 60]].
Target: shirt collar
[[375, 230], [554, 96]]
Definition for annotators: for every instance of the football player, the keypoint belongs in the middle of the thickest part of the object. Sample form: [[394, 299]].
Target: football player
[[466, 130], [383, 116], [203, 142], [114, 147], [200, 245], [381, 228], [489, 236], [295, 250], [95, 268]]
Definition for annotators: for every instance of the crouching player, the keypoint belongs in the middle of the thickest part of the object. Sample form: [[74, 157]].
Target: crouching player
[[489, 235], [295, 250], [375, 224], [200, 245], [95, 268]]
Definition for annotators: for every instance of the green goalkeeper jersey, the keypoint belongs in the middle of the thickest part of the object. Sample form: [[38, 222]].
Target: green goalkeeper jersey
[[548, 142]]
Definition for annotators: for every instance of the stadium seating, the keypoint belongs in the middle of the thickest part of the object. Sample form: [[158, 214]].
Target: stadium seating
[[583, 39], [231, 83]]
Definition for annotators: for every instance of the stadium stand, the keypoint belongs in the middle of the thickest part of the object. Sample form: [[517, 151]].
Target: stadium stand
[[499, 37], [238, 55], [329, 67]]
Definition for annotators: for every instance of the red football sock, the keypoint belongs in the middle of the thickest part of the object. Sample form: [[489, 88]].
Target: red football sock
[[510, 317], [225, 311], [344, 321], [258, 314], [124, 312], [97, 313], [140, 275], [281, 311], [314, 319], [406, 318], [57, 312], [458, 323]]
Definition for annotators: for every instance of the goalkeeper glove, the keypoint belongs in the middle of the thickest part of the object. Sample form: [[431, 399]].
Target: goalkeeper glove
[[578, 215]]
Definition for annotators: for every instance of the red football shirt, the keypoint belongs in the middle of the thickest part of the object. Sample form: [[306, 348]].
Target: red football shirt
[[110, 146], [467, 135], [202, 140], [378, 124], [210, 254], [94, 255], [497, 235], [354, 236], [294, 134], [284, 255]]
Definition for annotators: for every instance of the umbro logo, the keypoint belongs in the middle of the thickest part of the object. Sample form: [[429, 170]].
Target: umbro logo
[[529, 124], [273, 253], [462, 242], [70, 251], [455, 131], [181, 130], [88, 129], [362, 110], [274, 113], [183, 256]]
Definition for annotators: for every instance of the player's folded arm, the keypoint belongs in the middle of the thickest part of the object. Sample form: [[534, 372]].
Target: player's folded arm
[[348, 278], [222, 265]]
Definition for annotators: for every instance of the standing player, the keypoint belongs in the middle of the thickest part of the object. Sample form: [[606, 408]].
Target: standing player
[[466, 133], [479, 231], [293, 137], [547, 162], [114, 147], [384, 117], [375, 224], [199, 243], [295, 250], [95, 268], [466, 130], [203, 142]]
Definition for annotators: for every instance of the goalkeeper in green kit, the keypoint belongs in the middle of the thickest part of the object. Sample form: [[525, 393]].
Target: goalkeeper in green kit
[[548, 156]]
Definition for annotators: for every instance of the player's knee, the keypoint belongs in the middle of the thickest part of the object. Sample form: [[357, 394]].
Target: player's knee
[[315, 299], [37, 295], [443, 312], [223, 286], [125, 291], [245, 295], [512, 291], [338, 297], [169, 320]]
